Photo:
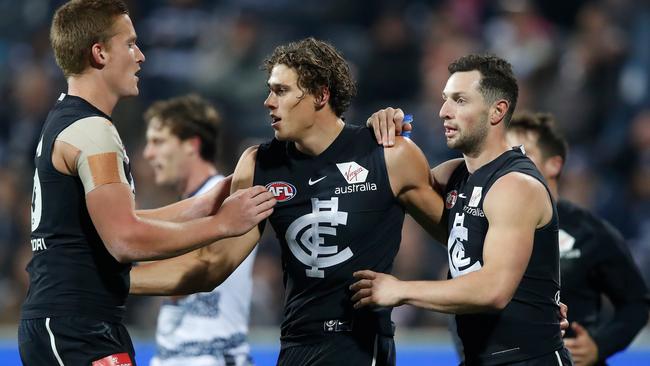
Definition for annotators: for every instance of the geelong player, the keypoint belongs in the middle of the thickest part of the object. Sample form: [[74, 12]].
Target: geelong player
[[207, 329], [85, 230]]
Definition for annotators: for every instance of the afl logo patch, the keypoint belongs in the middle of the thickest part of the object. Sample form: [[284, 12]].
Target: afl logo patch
[[451, 199], [282, 191]]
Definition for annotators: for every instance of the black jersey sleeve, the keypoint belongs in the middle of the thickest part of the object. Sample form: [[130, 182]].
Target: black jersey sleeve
[[622, 283]]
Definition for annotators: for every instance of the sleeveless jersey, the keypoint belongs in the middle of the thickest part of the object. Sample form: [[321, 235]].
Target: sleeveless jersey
[[71, 272], [528, 326], [336, 214], [595, 261], [208, 329]]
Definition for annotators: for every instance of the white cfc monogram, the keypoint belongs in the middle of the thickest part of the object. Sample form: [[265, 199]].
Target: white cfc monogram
[[459, 264], [317, 255]]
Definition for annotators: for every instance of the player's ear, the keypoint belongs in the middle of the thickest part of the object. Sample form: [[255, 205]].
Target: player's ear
[[322, 98], [498, 111], [98, 56], [553, 166], [192, 145]]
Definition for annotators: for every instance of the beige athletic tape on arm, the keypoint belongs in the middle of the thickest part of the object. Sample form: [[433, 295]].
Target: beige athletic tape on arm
[[102, 153]]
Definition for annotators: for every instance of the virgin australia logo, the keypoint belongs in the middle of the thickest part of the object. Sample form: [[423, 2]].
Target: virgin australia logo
[[356, 176], [305, 237], [353, 172]]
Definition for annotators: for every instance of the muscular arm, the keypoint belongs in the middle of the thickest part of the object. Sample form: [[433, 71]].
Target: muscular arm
[[507, 249], [129, 237], [411, 183], [205, 268], [193, 207], [91, 149]]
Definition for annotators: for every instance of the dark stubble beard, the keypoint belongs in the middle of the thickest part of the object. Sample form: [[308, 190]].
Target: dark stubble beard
[[470, 143]]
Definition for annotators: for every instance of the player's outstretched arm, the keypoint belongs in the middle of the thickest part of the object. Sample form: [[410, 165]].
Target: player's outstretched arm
[[131, 238], [207, 267], [507, 249], [193, 207], [411, 183]]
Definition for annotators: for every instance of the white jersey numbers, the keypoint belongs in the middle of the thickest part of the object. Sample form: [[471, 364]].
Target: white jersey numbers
[[37, 202]]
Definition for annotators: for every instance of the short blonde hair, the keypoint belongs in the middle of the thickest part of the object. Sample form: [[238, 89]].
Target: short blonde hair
[[79, 24]]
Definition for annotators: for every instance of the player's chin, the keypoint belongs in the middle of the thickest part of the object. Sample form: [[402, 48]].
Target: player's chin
[[280, 136], [131, 92], [452, 143]]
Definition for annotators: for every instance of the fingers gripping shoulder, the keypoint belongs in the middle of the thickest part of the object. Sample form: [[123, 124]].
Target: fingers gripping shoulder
[[102, 158]]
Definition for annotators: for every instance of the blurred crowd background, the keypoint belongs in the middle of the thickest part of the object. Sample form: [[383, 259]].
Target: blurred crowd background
[[587, 62]]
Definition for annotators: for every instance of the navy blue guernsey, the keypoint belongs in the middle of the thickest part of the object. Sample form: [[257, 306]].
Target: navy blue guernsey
[[528, 326], [336, 214], [71, 272], [595, 261]]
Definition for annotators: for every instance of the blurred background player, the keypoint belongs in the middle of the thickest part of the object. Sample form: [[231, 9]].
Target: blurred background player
[[595, 260], [204, 329]]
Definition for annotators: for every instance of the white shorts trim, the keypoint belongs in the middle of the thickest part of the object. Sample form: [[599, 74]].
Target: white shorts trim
[[374, 350], [52, 342]]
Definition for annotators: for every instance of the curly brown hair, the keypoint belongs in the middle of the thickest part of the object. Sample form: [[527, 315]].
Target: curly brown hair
[[79, 24], [318, 65]]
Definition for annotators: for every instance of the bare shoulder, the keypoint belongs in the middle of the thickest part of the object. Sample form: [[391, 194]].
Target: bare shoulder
[[524, 184], [245, 170], [516, 190], [406, 165], [403, 149]]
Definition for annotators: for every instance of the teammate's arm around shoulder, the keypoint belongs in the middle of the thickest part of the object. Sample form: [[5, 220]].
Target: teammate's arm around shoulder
[[408, 171], [515, 205], [441, 173], [205, 268]]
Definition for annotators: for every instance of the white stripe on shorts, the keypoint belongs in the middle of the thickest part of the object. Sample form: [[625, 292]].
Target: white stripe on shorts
[[52, 343], [557, 355], [374, 351]]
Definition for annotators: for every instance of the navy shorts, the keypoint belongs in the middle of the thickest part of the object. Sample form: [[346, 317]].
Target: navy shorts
[[339, 349], [74, 341]]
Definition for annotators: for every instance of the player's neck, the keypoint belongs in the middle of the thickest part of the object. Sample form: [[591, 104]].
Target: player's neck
[[91, 89], [492, 148], [199, 174], [320, 135]]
